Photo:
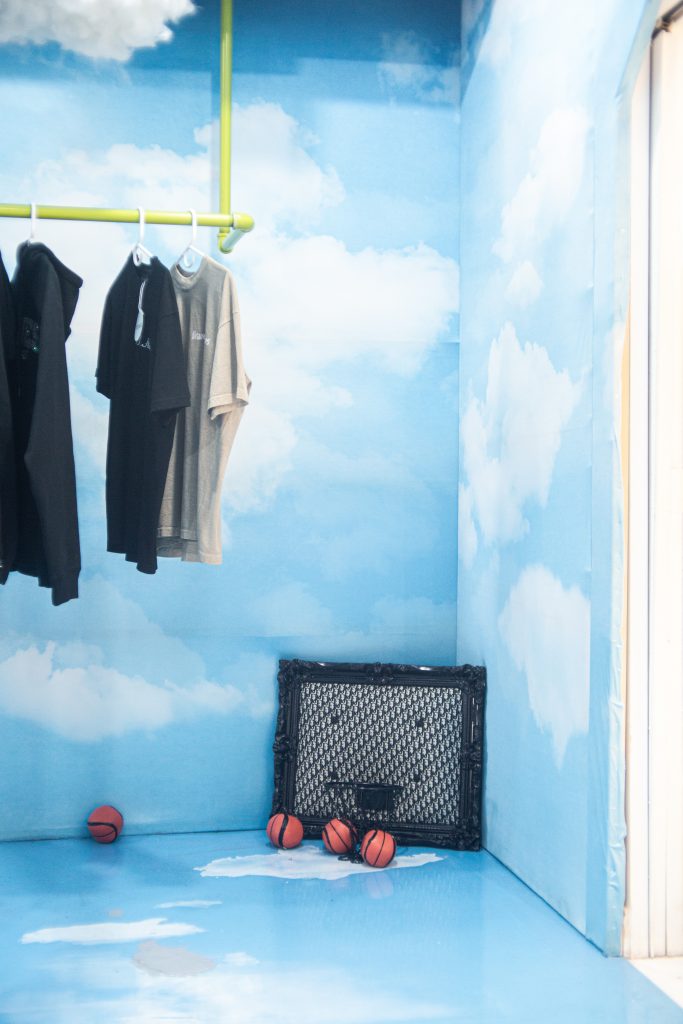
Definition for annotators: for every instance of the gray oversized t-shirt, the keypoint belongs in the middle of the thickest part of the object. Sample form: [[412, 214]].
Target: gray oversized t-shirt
[[190, 520]]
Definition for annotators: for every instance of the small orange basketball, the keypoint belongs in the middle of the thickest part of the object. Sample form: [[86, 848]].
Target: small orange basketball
[[340, 835], [105, 824], [284, 831], [378, 848]]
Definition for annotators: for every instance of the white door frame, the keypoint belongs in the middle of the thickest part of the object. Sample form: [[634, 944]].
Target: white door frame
[[653, 921], [636, 936]]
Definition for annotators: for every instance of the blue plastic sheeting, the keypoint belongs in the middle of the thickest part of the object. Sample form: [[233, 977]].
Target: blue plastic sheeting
[[543, 272], [135, 932]]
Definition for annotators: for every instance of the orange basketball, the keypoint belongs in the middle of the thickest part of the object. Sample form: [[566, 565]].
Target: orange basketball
[[340, 835], [284, 831], [378, 848], [105, 824]]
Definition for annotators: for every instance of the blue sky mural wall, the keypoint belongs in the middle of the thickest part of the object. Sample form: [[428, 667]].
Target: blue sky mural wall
[[339, 518], [544, 109], [370, 182]]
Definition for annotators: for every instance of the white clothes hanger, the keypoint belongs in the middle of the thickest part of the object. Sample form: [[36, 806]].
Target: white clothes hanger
[[140, 253], [187, 256], [34, 219]]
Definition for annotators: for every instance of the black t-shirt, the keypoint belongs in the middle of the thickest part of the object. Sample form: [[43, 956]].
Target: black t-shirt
[[141, 370]]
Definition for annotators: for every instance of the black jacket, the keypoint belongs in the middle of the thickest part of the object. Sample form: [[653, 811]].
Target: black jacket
[[8, 472], [46, 293]]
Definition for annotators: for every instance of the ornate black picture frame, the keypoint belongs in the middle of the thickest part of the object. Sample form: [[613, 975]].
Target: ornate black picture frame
[[393, 746]]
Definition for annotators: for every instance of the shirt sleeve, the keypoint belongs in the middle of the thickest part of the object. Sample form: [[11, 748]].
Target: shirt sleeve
[[230, 384], [103, 373], [169, 379]]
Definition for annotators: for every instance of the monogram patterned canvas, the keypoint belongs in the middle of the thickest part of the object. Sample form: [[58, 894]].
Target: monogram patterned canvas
[[393, 746]]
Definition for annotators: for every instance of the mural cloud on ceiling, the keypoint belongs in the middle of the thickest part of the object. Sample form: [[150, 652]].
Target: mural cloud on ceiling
[[108, 30], [412, 66], [511, 438], [546, 629]]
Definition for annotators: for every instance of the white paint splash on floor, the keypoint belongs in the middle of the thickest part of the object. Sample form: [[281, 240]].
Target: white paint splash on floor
[[188, 903], [112, 931], [307, 861]]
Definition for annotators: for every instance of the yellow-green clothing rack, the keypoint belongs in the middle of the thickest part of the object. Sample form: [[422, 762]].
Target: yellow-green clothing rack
[[232, 226]]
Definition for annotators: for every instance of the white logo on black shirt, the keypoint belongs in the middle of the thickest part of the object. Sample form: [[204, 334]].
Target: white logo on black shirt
[[198, 336]]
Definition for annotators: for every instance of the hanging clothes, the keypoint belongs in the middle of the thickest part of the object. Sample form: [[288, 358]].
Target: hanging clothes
[[8, 471], [48, 547], [190, 520], [141, 370]]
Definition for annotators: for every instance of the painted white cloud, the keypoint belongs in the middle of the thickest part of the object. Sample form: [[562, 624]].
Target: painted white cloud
[[396, 491], [90, 424], [276, 177], [240, 959], [109, 29], [410, 65], [87, 693], [291, 610], [470, 13], [306, 861], [544, 69], [517, 28], [551, 77], [546, 629], [261, 457], [525, 285], [327, 304], [511, 438], [189, 903], [362, 468], [613, 372], [545, 194], [419, 615], [308, 302], [467, 532], [86, 703], [506, 20], [112, 931], [337, 547]]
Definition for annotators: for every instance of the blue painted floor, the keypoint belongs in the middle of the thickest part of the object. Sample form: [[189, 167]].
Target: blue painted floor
[[221, 927]]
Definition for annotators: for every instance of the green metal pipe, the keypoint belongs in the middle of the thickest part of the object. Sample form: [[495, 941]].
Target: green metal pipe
[[240, 221], [226, 242], [226, 106]]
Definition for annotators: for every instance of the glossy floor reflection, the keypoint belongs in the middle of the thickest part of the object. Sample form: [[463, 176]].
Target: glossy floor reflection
[[220, 927]]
